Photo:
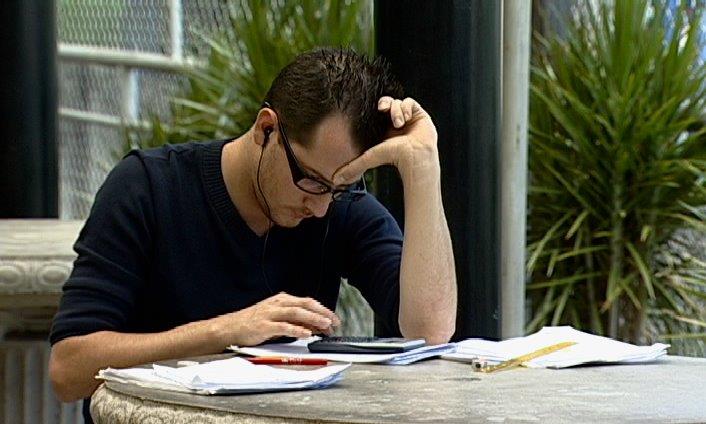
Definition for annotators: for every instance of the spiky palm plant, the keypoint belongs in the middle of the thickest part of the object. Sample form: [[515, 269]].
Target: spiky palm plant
[[617, 169]]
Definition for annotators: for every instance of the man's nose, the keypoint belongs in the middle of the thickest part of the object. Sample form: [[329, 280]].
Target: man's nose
[[318, 205]]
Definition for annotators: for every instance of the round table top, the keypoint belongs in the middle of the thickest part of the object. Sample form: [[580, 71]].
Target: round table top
[[672, 389]]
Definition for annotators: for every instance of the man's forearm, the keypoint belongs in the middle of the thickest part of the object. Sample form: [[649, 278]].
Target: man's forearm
[[76, 360], [428, 275]]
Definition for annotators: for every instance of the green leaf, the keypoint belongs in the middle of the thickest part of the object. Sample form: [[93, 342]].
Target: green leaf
[[683, 336], [547, 236], [562, 281], [575, 226], [642, 267], [561, 304]]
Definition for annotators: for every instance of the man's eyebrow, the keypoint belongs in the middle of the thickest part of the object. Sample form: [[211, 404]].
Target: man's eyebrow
[[316, 173]]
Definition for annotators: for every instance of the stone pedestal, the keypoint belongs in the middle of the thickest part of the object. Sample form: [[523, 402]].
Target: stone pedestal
[[36, 258]]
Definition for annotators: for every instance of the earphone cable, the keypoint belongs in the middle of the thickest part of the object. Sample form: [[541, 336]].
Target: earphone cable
[[269, 227], [267, 234], [323, 252]]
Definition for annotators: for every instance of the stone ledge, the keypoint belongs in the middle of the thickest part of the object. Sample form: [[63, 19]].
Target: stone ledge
[[36, 255], [36, 258], [37, 276]]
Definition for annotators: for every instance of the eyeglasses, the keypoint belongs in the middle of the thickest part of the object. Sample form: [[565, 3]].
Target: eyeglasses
[[310, 183]]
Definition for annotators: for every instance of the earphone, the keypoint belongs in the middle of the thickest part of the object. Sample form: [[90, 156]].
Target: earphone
[[268, 131]]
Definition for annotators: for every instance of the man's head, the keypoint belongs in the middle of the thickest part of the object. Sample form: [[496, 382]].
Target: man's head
[[334, 81], [322, 111]]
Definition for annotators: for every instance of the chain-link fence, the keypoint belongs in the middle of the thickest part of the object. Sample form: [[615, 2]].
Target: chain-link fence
[[119, 62]]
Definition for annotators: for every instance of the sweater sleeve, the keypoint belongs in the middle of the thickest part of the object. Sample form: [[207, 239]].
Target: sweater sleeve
[[113, 251], [374, 254]]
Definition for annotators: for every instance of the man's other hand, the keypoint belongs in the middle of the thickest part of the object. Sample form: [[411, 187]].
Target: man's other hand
[[410, 146], [279, 315]]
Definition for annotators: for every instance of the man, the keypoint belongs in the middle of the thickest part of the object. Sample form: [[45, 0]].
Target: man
[[191, 248]]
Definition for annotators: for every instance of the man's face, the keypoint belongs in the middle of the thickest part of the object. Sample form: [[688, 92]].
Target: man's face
[[330, 148]]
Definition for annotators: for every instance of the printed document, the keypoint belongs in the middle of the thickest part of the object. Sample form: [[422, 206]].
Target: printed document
[[588, 349], [227, 376]]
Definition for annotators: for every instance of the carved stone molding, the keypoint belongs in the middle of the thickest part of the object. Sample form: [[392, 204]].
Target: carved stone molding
[[41, 275], [36, 255], [36, 258]]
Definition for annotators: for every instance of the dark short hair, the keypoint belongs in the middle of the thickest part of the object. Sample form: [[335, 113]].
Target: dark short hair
[[328, 80]]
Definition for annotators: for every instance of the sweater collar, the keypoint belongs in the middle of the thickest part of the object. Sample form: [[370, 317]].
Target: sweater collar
[[214, 184]]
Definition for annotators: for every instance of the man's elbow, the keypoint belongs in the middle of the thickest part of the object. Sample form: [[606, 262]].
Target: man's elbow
[[435, 335], [63, 380], [59, 380], [440, 336]]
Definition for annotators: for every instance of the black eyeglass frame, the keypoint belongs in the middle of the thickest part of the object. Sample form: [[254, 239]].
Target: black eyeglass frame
[[352, 192]]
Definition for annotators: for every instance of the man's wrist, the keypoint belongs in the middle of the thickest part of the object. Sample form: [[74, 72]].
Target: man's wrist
[[209, 332], [422, 168], [217, 333]]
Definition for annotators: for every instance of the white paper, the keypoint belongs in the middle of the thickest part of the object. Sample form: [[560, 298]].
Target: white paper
[[233, 375], [589, 349], [298, 349]]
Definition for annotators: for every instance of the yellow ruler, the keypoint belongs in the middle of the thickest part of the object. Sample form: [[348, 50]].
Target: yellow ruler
[[516, 362]]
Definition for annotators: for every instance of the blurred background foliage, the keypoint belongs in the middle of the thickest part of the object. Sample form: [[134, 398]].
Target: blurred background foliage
[[222, 95], [617, 168]]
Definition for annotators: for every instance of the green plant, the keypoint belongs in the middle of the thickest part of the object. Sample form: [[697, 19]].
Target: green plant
[[221, 96], [617, 168]]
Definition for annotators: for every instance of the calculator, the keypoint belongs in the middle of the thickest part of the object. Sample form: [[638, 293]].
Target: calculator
[[362, 344]]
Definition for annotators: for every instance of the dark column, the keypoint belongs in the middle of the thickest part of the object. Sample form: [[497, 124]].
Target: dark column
[[28, 152], [447, 55]]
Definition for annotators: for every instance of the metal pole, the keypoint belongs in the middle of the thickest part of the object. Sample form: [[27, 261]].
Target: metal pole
[[130, 94], [176, 29], [513, 159], [110, 57], [28, 163]]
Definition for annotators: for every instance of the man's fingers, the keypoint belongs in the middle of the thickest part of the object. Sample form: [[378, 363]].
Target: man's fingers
[[282, 328], [384, 103], [381, 154], [302, 316], [408, 106], [396, 114], [318, 308], [310, 305]]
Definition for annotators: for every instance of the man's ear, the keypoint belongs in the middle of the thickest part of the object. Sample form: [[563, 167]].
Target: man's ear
[[264, 125]]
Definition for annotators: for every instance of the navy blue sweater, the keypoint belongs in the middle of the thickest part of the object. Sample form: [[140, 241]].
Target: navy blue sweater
[[164, 245]]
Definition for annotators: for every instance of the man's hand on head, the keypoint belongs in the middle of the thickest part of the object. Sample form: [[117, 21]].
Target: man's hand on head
[[410, 146], [279, 315]]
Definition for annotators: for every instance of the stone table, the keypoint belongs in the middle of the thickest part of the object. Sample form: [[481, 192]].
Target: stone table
[[438, 391]]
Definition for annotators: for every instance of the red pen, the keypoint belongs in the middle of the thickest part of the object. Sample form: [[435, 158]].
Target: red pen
[[280, 360]]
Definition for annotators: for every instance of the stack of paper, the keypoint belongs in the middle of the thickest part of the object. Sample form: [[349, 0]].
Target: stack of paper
[[234, 375], [298, 349], [588, 349]]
